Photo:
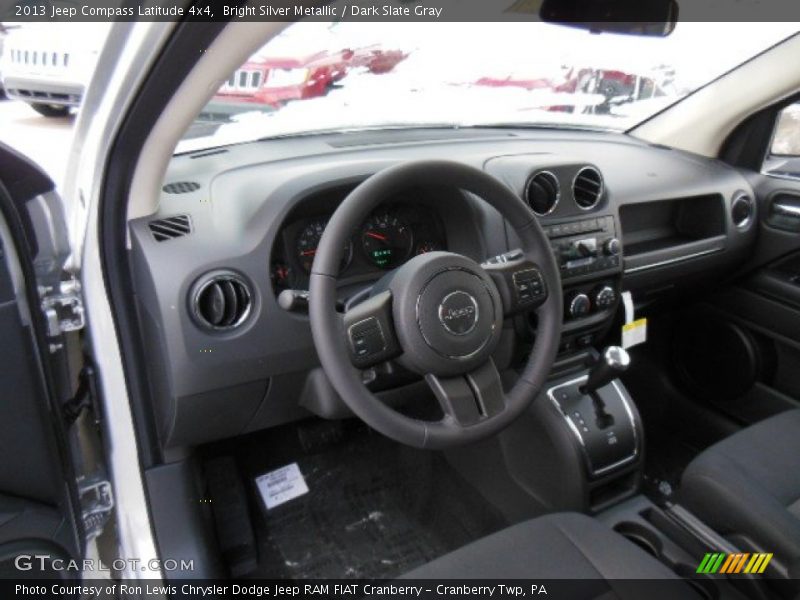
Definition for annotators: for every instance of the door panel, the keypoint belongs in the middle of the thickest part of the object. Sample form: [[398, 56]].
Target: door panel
[[38, 496], [765, 303]]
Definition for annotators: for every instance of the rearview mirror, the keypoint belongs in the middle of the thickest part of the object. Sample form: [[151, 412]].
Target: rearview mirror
[[632, 17]]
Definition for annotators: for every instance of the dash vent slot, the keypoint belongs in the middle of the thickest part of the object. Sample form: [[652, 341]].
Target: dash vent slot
[[170, 228], [181, 187]]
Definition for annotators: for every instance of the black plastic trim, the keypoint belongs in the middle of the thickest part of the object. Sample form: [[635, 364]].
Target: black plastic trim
[[748, 144], [12, 208]]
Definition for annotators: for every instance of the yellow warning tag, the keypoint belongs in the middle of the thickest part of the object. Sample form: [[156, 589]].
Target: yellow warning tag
[[634, 333]]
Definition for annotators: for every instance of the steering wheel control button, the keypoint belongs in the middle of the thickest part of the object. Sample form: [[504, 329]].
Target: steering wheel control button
[[519, 281], [366, 338], [529, 286], [459, 312]]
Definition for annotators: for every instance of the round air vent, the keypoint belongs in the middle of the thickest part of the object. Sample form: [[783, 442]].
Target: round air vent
[[742, 210], [542, 193], [221, 301], [587, 187]]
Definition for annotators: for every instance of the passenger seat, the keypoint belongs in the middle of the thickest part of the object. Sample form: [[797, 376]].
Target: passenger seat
[[747, 487]]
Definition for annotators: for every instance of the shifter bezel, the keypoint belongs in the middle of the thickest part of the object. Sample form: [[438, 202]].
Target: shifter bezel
[[591, 438]]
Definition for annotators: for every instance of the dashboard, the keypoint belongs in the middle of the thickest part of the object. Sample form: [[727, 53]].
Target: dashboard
[[238, 226]]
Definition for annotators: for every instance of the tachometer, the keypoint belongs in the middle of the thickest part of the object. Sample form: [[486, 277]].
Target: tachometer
[[387, 240], [308, 240]]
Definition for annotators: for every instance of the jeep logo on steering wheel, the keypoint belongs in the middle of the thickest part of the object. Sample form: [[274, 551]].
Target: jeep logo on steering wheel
[[458, 312]]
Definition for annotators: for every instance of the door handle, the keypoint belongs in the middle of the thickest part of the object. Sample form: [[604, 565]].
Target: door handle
[[786, 210]]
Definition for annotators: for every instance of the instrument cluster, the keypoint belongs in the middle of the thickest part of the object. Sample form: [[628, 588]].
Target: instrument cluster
[[389, 237]]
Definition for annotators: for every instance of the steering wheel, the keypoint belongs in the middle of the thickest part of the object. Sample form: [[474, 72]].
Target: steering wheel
[[439, 315]]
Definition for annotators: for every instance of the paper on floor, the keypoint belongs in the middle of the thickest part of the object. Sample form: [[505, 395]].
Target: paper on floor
[[281, 485]]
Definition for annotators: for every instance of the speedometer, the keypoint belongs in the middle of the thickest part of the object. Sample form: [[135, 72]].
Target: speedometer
[[386, 240], [308, 241]]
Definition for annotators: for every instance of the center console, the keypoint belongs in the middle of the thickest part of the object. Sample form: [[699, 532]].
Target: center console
[[679, 540], [589, 255], [580, 446], [602, 421]]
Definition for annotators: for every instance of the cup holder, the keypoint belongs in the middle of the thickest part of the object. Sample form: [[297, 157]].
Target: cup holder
[[649, 541], [640, 535]]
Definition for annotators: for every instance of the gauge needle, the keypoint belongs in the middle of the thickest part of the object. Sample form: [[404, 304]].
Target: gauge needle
[[308, 252], [377, 236]]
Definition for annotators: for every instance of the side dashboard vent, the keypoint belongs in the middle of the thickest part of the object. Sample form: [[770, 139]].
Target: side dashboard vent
[[542, 193], [587, 188], [181, 187], [742, 210], [170, 228], [221, 301]]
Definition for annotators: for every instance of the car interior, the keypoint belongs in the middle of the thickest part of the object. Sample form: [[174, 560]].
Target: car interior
[[462, 292], [428, 324]]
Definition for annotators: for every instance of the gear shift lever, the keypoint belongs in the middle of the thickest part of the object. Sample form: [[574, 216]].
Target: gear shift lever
[[612, 363]]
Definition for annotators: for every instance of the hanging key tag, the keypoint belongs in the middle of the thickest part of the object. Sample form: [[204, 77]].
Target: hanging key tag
[[634, 331]]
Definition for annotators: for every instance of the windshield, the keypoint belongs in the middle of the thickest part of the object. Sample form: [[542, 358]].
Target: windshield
[[319, 77]]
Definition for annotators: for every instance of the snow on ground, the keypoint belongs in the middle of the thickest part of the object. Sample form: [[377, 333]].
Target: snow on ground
[[44, 140]]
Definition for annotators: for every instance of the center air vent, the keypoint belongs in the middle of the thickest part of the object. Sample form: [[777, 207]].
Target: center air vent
[[587, 187], [221, 301], [742, 210], [542, 193], [170, 228], [181, 187]]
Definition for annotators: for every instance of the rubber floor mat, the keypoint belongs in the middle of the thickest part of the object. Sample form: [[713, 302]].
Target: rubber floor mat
[[375, 509]]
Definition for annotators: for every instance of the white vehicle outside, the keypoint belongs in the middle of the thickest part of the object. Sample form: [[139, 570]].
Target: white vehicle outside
[[50, 66]]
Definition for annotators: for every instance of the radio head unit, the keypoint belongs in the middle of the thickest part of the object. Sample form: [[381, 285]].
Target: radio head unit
[[585, 246]]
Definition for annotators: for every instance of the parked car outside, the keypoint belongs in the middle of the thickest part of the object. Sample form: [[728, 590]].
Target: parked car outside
[[3, 33], [49, 66], [286, 71]]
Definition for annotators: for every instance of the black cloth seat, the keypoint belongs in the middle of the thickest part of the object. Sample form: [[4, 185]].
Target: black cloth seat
[[564, 546], [747, 487]]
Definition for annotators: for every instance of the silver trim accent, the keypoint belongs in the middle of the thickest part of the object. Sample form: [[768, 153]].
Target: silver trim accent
[[675, 260], [573, 427], [476, 313], [604, 291], [617, 356], [785, 177], [599, 192], [786, 210], [579, 296], [214, 279], [558, 191], [742, 196], [419, 323]]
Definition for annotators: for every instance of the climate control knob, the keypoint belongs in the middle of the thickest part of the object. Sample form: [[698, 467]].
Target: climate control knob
[[578, 305], [604, 297], [612, 247]]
